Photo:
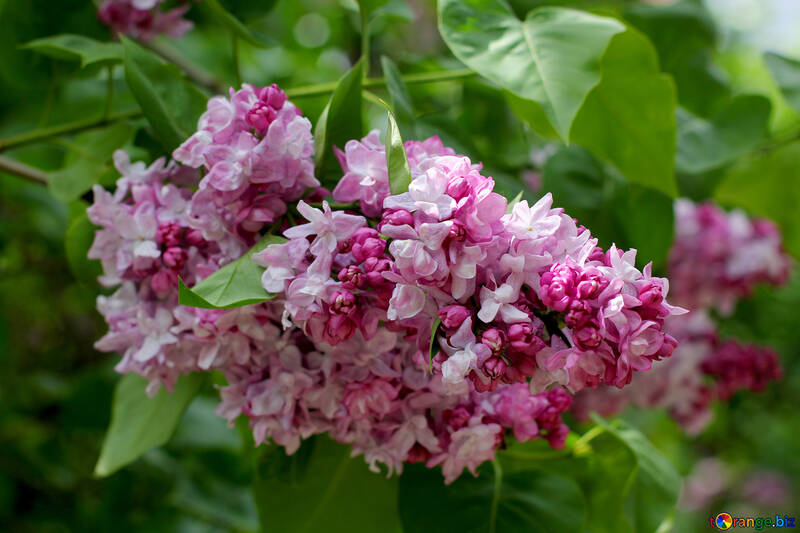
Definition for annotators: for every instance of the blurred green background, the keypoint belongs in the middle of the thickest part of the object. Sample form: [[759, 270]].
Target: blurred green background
[[55, 390]]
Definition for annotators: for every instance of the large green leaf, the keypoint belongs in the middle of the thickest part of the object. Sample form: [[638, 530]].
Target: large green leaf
[[139, 423], [769, 186], [707, 144], [400, 99], [88, 161], [236, 284], [77, 48], [170, 103], [339, 123], [223, 16], [520, 500], [551, 58], [786, 73], [321, 488], [614, 210], [77, 241], [629, 118]]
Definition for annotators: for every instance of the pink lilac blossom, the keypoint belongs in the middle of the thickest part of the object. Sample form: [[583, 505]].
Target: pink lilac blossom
[[718, 257], [144, 19]]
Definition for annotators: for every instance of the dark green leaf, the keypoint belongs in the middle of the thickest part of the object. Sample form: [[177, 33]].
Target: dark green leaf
[[339, 123], [88, 161], [431, 353], [396, 158], [77, 48], [629, 118], [786, 73], [139, 423], [236, 284], [224, 17], [707, 144], [401, 100], [768, 185], [552, 58], [497, 501], [77, 241], [321, 488], [171, 104]]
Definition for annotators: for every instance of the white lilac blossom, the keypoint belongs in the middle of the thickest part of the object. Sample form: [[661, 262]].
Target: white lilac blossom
[[531, 309]]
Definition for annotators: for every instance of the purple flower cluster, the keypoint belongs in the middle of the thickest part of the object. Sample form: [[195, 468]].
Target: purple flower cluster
[[719, 257], [144, 19], [427, 326]]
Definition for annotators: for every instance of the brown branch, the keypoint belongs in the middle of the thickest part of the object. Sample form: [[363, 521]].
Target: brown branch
[[22, 170]]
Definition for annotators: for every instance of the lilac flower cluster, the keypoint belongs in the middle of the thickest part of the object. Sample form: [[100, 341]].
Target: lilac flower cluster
[[427, 326], [719, 257], [144, 19], [716, 259]]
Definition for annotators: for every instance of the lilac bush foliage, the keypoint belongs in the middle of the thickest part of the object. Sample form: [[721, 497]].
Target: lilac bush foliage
[[524, 308]]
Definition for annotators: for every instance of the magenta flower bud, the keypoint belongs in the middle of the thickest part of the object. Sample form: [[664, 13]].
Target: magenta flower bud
[[162, 282], [339, 328], [668, 345], [457, 187], [650, 295], [396, 217], [169, 234], [374, 267], [579, 313], [494, 367], [342, 302], [361, 235], [175, 258], [587, 337], [557, 285], [591, 283], [456, 418], [194, 237], [457, 232], [524, 338], [454, 315], [351, 277], [418, 454], [273, 96], [494, 339], [368, 248]]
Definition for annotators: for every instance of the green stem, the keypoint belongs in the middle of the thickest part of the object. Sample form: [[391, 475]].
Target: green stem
[[42, 134], [237, 70], [22, 170], [581, 446], [425, 77], [109, 92]]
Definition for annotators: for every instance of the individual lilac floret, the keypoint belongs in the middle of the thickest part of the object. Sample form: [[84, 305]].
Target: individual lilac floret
[[144, 19]]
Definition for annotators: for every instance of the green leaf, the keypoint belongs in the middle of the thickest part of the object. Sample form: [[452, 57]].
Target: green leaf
[[514, 202], [396, 158], [77, 48], [339, 123], [707, 144], [88, 161], [170, 104], [768, 186], [655, 489], [139, 423], [321, 488], [552, 58], [236, 284], [786, 73], [614, 210], [77, 241], [431, 353], [519, 500], [226, 18], [629, 118], [400, 99], [368, 7]]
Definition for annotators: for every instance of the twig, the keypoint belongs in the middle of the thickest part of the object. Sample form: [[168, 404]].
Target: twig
[[22, 170]]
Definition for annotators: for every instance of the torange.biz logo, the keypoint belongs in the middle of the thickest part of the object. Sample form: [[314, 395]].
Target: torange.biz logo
[[726, 521]]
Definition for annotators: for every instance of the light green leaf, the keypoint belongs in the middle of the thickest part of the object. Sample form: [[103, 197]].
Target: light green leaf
[[707, 144], [235, 285], [497, 501], [139, 423], [629, 118], [77, 48], [170, 104], [396, 158], [786, 73], [339, 123], [321, 488], [368, 7], [88, 161], [226, 18], [514, 202], [552, 58], [77, 241], [400, 99], [769, 186]]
